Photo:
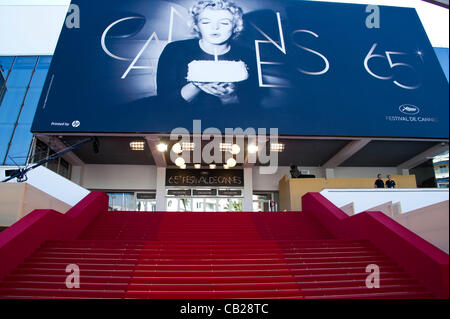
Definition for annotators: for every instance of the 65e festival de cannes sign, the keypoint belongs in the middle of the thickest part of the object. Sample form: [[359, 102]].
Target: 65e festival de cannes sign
[[306, 68]]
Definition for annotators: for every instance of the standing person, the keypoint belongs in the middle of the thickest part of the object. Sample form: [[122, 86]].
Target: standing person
[[379, 182], [216, 23], [295, 173], [390, 183]]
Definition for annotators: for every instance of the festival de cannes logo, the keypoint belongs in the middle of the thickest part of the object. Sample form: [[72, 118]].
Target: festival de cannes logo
[[409, 109]]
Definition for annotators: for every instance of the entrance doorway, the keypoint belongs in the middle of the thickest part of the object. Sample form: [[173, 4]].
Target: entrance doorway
[[265, 202], [203, 204], [146, 205], [204, 200]]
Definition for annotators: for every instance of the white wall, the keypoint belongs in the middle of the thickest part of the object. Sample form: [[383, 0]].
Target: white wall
[[141, 177], [364, 199], [119, 177], [53, 184], [431, 223]]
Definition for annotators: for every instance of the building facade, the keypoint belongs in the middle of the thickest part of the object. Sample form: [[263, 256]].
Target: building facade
[[136, 179]]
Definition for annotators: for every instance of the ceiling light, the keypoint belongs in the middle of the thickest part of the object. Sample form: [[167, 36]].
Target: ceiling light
[[225, 147], [252, 148], [176, 148], [235, 149], [137, 146], [180, 162], [277, 147], [212, 166], [198, 166], [231, 162], [188, 146], [161, 147]]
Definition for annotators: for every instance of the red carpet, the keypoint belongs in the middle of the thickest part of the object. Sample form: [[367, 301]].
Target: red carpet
[[208, 255]]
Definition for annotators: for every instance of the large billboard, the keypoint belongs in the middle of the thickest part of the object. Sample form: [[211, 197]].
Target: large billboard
[[306, 68]]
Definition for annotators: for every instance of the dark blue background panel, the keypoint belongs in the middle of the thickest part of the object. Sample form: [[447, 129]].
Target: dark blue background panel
[[315, 69]]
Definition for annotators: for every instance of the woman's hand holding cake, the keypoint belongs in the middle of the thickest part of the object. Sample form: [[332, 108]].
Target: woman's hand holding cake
[[219, 89], [216, 88]]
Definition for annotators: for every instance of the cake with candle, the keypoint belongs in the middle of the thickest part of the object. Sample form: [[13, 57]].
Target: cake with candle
[[217, 71]]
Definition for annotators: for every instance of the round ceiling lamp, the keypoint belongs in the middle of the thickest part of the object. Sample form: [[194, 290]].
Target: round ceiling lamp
[[177, 149], [180, 162], [235, 149], [161, 147], [231, 162], [252, 148]]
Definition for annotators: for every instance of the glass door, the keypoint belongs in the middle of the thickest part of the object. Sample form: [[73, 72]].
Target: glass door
[[145, 205], [264, 203], [204, 204], [198, 204], [185, 204], [223, 205], [172, 204], [211, 205]]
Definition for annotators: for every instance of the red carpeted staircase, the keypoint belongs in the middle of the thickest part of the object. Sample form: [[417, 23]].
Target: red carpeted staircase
[[208, 255]]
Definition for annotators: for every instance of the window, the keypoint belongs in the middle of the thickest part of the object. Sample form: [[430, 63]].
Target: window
[[121, 202], [21, 83], [2, 84], [58, 165], [40, 151], [443, 169]]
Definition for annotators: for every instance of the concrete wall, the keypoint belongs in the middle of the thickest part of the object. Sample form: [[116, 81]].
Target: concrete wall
[[119, 177], [19, 199], [431, 223], [142, 177], [51, 183], [370, 199], [300, 186]]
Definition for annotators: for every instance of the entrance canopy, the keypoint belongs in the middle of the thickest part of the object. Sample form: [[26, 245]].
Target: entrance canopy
[[302, 151]]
